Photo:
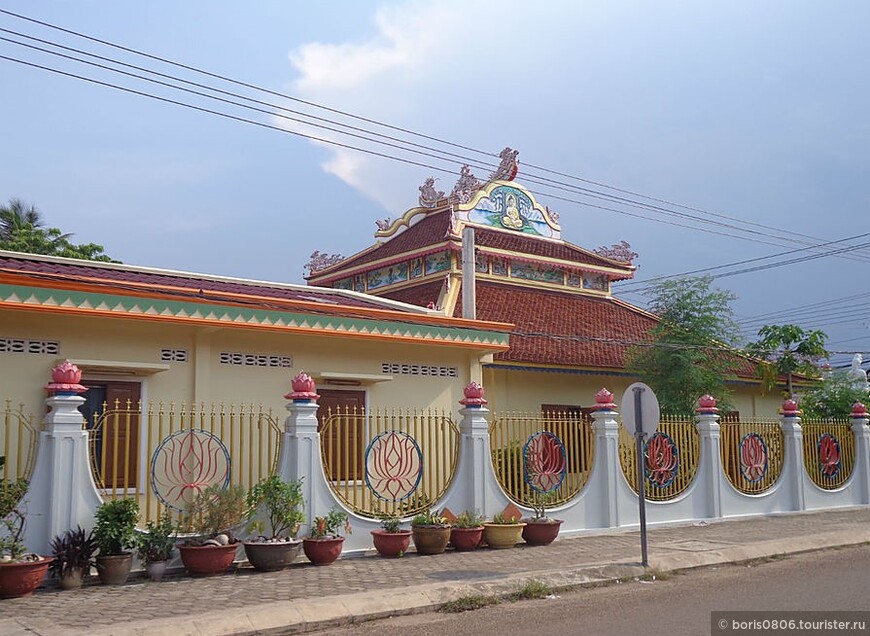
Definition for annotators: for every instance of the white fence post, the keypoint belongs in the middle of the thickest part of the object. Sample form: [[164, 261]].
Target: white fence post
[[606, 470], [861, 470], [793, 454], [62, 493], [707, 423]]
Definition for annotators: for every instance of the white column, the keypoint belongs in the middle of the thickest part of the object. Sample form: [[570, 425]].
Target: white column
[[793, 454], [62, 493], [707, 423], [606, 469], [861, 470]]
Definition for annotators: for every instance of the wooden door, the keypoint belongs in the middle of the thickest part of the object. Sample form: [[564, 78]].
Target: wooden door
[[343, 441], [112, 414]]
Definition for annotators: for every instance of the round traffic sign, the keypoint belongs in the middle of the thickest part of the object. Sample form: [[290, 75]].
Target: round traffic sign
[[639, 401]]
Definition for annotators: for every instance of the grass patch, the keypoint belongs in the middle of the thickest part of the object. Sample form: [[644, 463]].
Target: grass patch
[[531, 589], [780, 556], [468, 603], [653, 574]]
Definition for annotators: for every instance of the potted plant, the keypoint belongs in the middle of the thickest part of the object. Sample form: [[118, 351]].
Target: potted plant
[[115, 533], [504, 531], [431, 532], [73, 553], [283, 502], [156, 545], [21, 571], [391, 540], [323, 545], [467, 531], [209, 520], [541, 529]]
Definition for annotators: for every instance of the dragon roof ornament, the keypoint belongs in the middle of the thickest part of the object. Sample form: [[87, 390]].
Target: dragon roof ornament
[[429, 196], [465, 187], [509, 166]]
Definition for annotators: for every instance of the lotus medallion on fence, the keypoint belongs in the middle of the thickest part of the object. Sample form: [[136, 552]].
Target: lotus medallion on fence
[[753, 457], [186, 463], [661, 460], [545, 462], [394, 466], [829, 455]]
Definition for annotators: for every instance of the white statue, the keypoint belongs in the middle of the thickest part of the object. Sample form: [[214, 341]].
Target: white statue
[[857, 375]]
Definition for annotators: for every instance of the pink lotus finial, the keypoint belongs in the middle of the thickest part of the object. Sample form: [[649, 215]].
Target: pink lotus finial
[[604, 401], [859, 410], [790, 408], [706, 405], [65, 379], [473, 395], [304, 389]]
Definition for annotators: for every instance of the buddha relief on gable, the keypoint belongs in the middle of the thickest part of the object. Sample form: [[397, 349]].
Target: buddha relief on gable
[[508, 207]]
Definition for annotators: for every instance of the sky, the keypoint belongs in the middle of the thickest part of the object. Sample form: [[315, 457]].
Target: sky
[[751, 115]]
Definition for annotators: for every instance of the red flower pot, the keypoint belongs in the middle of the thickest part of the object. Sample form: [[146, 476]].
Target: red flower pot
[[466, 539], [20, 579], [207, 560], [323, 551], [391, 544], [541, 532]]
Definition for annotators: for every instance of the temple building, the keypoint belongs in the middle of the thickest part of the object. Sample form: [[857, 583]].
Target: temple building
[[570, 333]]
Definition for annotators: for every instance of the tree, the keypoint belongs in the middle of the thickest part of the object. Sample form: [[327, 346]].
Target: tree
[[788, 349], [688, 355], [23, 230], [833, 397]]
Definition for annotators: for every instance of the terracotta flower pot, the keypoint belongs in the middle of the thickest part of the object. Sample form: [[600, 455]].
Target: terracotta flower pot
[[156, 570], [323, 551], [501, 536], [113, 569], [72, 579], [271, 557], [391, 544], [207, 560], [20, 579], [430, 539], [541, 532], [466, 539]]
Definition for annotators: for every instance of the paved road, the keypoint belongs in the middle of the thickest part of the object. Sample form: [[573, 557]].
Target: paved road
[[681, 605]]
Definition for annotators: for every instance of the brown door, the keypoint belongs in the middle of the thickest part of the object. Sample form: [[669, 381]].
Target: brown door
[[112, 414], [342, 436]]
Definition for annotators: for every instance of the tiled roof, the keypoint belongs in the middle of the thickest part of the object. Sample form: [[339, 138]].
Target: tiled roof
[[420, 295]]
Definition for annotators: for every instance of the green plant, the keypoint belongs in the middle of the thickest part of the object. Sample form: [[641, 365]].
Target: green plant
[[157, 543], [539, 505], [215, 511], [11, 493], [282, 501], [469, 519], [73, 550], [12, 520], [115, 531], [328, 527], [430, 518], [500, 519], [391, 523], [467, 603], [532, 589]]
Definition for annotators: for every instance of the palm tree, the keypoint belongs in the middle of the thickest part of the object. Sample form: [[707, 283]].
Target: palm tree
[[23, 225]]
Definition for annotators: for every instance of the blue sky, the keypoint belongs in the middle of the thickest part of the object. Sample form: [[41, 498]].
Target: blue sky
[[756, 111]]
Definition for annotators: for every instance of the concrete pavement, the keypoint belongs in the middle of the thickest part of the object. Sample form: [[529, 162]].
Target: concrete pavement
[[304, 598]]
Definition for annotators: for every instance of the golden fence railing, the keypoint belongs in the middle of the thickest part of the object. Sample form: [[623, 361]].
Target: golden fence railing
[[671, 458], [18, 439], [165, 453], [509, 433], [388, 461], [752, 454], [829, 451]]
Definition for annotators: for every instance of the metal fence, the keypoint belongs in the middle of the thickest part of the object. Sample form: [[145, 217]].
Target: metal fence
[[18, 439], [752, 454], [388, 461], [520, 471], [829, 451]]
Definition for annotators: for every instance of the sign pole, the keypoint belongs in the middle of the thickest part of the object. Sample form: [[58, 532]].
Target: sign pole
[[638, 455]]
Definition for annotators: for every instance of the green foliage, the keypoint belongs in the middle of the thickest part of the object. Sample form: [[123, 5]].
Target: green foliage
[[532, 589], [789, 350], [689, 354], [115, 531], [540, 501], [22, 230], [429, 518], [834, 397], [216, 511], [73, 550], [469, 519], [282, 501], [501, 519], [12, 518], [11, 492], [157, 543], [390, 522], [328, 527], [468, 603]]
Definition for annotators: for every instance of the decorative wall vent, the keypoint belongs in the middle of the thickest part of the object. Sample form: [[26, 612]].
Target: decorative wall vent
[[256, 360], [22, 345], [173, 355], [395, 368]]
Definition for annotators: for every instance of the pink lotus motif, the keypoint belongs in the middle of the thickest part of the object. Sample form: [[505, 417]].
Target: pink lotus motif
[[661, 460], [753, 457], [707, 404], [304, 389], [859, 410], [544, 462], [829, 455], [473, 395], [394, 465], [790, 408], [604, 401], [65, 378], [185, 464]]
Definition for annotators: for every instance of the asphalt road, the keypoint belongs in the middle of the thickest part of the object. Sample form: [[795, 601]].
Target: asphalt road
[[835, 579]]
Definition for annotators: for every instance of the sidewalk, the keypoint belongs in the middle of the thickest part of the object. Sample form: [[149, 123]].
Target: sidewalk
[[304, 598]]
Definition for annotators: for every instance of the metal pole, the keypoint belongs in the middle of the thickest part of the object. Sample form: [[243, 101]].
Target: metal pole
[[638, 455]]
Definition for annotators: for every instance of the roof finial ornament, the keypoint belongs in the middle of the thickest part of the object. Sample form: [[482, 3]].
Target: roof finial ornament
[[508, 167], [465, 187], [429, 196], [621, 252], [383, 224], [322, 260]]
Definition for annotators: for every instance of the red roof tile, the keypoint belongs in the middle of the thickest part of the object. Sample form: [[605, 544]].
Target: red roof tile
[[420, 295]]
